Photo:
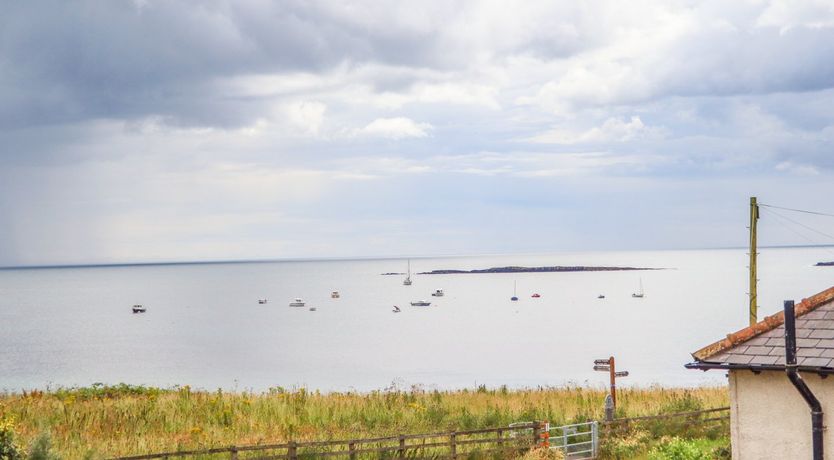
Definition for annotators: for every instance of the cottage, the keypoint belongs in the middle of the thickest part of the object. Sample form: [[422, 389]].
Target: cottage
[[770, 413]]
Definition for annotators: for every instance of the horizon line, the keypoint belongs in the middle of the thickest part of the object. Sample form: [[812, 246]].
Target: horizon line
[[349, 258]]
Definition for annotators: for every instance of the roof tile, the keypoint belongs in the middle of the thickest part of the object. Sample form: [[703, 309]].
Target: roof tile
[[759, 350], [774, 342], [822, 334], [825, 343], [763, 360], [807, 343], [827, 353], [816, 314], [815, 362], [807, 352]]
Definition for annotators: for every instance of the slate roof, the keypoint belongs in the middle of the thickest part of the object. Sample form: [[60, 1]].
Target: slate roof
[[763, 344]]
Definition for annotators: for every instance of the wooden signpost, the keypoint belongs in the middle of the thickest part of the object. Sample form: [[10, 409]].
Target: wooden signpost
[[607, 365]]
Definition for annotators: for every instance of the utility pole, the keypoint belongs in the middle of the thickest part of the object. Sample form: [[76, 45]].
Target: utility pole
[[754, 217]]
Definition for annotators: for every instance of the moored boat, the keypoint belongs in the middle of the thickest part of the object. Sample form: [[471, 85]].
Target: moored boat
[[139, 309], [420, 303], [437, 293], [297, 303], [335, 295]]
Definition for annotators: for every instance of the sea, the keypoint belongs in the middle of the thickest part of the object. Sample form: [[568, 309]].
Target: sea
[[204, 327]]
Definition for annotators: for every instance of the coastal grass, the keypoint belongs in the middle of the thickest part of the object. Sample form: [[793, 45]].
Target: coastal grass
[[105, 421]]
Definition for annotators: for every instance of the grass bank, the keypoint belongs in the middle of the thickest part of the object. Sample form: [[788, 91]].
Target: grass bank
[[124, 419]]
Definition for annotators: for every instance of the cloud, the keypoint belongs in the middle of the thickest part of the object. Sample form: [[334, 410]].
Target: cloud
[[307, 115], [612, 130], [395, 128]]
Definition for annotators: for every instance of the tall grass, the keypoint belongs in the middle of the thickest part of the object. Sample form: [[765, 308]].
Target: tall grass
[[124, 419]]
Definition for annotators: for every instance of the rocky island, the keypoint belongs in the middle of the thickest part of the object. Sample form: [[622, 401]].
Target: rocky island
[[515, 269], [825, 264]]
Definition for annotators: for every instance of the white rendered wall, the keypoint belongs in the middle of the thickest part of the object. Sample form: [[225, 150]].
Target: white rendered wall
[[769, 418]]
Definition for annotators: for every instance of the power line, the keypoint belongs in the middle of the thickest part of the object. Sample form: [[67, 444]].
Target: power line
[[794, 231], [796, 210]]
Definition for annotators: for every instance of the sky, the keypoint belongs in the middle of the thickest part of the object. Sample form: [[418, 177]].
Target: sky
[[141, 131]]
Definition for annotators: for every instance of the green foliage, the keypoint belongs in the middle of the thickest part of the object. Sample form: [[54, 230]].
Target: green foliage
[[679, 449], [9, 447], [126, 419], [41, 449]]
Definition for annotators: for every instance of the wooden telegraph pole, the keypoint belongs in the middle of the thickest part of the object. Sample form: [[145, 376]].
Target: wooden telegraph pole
[[754, 217]]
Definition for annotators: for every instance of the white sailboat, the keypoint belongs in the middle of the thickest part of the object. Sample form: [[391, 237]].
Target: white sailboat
[[407, 280], [639, 294], [514, 298]]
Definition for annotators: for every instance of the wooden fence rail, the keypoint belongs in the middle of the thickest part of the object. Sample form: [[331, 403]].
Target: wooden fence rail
[[438, 445], [452, 443]]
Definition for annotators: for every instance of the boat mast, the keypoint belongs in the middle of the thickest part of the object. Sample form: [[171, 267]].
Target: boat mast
[[754, 217]]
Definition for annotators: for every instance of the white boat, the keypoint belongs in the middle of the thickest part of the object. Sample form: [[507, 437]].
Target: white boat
[[437, 293], [421, 303], [335, 295], [407, 280], [515, 296], [297, 303], [639, 294], [139, 309], [262, 301]]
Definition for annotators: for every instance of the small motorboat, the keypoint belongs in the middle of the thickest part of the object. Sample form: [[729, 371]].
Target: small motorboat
[[536, 295], [262, 301], [139, 309], [421, 303], [312, 308], [396, 309], [601, 296], [437, 293], [297, 303], [335, 295]]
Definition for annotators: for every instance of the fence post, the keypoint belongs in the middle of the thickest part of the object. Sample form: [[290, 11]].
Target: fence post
[[401, 450], [292, 451], [536, 432], [233, 450], [352, 450], [453, 445], [594, 438], [500, 434]]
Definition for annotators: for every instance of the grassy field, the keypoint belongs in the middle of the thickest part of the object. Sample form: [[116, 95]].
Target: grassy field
[[123, 420]]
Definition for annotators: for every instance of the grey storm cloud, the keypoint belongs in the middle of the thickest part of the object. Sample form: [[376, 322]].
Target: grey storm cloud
[[149, 130], [69, 61]]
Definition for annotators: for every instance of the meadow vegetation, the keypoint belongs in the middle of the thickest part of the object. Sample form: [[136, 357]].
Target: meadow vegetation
[[104, 421]]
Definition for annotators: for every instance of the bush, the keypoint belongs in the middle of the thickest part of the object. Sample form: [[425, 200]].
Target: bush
[[543, 453], [9, 447], [678, 449], [42, 449]]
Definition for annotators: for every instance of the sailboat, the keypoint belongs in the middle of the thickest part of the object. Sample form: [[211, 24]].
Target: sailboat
[[639, 294], [407, 280], [514, 297]]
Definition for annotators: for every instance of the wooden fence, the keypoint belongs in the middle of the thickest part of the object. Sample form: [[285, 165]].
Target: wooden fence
[[442, 445], [448, 444], [680, 422]]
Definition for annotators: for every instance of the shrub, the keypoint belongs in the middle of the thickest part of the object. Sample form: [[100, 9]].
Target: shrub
[[678, 449], [543, 453], [42, 449], [9, 447]]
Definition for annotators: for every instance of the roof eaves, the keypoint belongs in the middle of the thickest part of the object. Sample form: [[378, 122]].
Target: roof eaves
[[767, 324]]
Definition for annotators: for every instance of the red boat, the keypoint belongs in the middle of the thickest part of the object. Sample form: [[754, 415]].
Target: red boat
[[536, 296]]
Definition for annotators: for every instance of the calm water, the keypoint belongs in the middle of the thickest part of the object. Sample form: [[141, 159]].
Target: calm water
[[204, 327]]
